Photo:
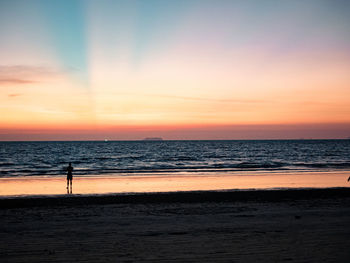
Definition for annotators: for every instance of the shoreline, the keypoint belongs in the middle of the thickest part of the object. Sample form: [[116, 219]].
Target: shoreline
[[18, 187], [179, 172], [186, 173]]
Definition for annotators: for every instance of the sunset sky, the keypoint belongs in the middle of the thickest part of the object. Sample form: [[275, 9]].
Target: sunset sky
[[177, 69]]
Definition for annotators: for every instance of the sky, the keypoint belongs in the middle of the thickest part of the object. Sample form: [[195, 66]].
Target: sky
[[177, 69]]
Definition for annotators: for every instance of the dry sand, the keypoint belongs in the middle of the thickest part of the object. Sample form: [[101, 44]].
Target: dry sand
[[248, 226]]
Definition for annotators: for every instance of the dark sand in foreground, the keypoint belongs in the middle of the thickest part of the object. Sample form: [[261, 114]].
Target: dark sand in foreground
[[249, 226]]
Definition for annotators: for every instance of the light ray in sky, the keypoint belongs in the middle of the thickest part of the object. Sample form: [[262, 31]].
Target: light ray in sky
[[155, 63]]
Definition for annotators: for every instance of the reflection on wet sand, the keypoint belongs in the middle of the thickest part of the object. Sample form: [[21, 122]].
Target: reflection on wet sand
[[169, 183], [70, 190]]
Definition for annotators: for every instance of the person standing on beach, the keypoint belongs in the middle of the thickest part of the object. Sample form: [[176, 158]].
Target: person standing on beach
[[69, 176]]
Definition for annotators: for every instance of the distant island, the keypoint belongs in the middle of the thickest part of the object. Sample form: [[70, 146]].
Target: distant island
[[153, 139]]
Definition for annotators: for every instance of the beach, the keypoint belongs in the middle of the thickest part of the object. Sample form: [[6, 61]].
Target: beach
[[295, 225], [174, 131], [172, 182]]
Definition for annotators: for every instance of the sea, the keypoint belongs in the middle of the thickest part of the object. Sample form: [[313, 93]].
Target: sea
[[128, 158]]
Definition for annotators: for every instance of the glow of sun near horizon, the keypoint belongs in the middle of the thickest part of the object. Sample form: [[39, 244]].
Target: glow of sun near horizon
[[180, 69]]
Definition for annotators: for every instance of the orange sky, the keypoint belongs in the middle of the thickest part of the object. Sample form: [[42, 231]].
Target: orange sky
[[195, 72], [176, 132]]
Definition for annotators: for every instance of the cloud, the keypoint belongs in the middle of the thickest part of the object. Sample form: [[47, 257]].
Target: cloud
[[24, 74], [243, 101], [207, 99], [14, 95], [25, 69], [9, 81]]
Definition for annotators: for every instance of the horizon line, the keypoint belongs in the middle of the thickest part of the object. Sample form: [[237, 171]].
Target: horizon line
[[164, 140]]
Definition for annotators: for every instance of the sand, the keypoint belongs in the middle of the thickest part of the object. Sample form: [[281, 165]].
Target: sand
[[34, 185], [310, 225]]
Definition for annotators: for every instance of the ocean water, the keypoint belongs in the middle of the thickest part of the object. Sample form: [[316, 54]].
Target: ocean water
[[144, 157]]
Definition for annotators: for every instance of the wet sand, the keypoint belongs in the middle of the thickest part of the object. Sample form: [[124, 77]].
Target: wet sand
[[308, 225], [21, 186]]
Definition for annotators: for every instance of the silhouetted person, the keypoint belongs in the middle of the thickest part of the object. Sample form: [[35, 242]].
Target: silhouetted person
[[69, 177]]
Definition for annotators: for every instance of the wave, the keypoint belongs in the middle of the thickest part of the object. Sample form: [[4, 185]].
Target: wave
[[93, 158], [243, 166]]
